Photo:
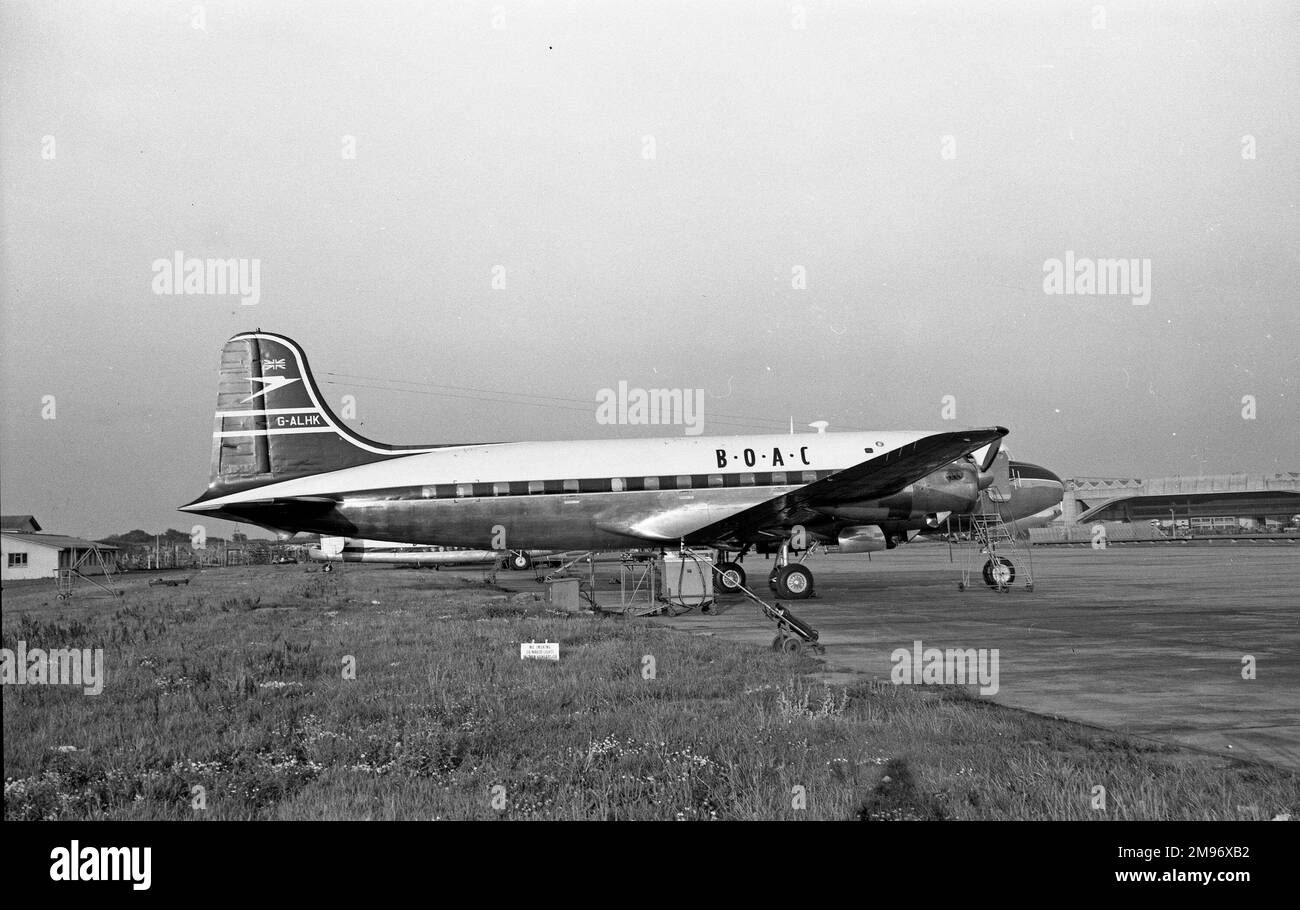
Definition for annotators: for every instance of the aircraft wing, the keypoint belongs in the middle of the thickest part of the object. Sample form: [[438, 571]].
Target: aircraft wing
[[871, 479]]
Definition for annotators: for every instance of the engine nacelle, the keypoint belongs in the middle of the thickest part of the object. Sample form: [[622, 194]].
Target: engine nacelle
[[862, 539]]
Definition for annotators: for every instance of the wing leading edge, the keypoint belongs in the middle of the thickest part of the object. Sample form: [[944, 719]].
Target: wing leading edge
[[871, 479]]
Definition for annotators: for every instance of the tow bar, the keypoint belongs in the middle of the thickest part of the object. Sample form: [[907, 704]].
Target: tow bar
[[792, 633]]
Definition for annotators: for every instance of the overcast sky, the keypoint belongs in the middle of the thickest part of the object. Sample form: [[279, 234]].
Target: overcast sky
[[650, 180]]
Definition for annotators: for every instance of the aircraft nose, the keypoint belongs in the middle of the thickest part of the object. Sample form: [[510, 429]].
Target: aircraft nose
[[1039, 476]]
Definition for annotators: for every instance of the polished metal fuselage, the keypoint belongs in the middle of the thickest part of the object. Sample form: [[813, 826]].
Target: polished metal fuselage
[[613, 520]]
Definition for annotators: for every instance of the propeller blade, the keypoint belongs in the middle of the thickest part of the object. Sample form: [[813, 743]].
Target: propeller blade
[[994, 447]]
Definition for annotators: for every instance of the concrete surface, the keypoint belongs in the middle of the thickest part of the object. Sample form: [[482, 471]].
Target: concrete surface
[[1148, 641]]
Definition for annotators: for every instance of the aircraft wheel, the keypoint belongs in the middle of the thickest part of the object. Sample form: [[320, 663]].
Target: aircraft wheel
[[520, 562], [961, 586], [792, 646], [731, 577], [776, 642], [794, 582], [999, 574]]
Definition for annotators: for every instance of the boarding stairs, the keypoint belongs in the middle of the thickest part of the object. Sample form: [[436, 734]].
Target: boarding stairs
[[995, 543], [65, 580]]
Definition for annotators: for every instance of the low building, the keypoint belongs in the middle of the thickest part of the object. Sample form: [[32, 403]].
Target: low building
[[25, 553]]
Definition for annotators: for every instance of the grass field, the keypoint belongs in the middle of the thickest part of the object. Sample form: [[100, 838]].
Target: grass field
[[228, 699]]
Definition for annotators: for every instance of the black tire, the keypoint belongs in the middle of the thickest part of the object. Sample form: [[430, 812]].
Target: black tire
[[1004, 578], [776, 642], [792, 646], [731, 577], [520, 562], [794, 582]]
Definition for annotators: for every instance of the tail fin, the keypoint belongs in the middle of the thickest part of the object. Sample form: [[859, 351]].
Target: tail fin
[[272, 422]]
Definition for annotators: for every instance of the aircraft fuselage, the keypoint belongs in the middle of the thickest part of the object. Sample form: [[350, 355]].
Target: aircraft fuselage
[[599, 494]]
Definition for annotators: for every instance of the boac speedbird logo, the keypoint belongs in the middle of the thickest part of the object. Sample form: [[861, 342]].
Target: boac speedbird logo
[[269, 384]]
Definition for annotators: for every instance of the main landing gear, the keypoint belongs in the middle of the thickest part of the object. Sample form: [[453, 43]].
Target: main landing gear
[[729, 575], [793, 582], [790, 581]]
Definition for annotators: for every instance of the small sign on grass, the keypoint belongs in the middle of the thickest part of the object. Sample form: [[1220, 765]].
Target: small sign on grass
[[539, 650]]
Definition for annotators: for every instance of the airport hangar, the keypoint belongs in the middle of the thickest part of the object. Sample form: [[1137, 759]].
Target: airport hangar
[[26, 553], [1210, 504]]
